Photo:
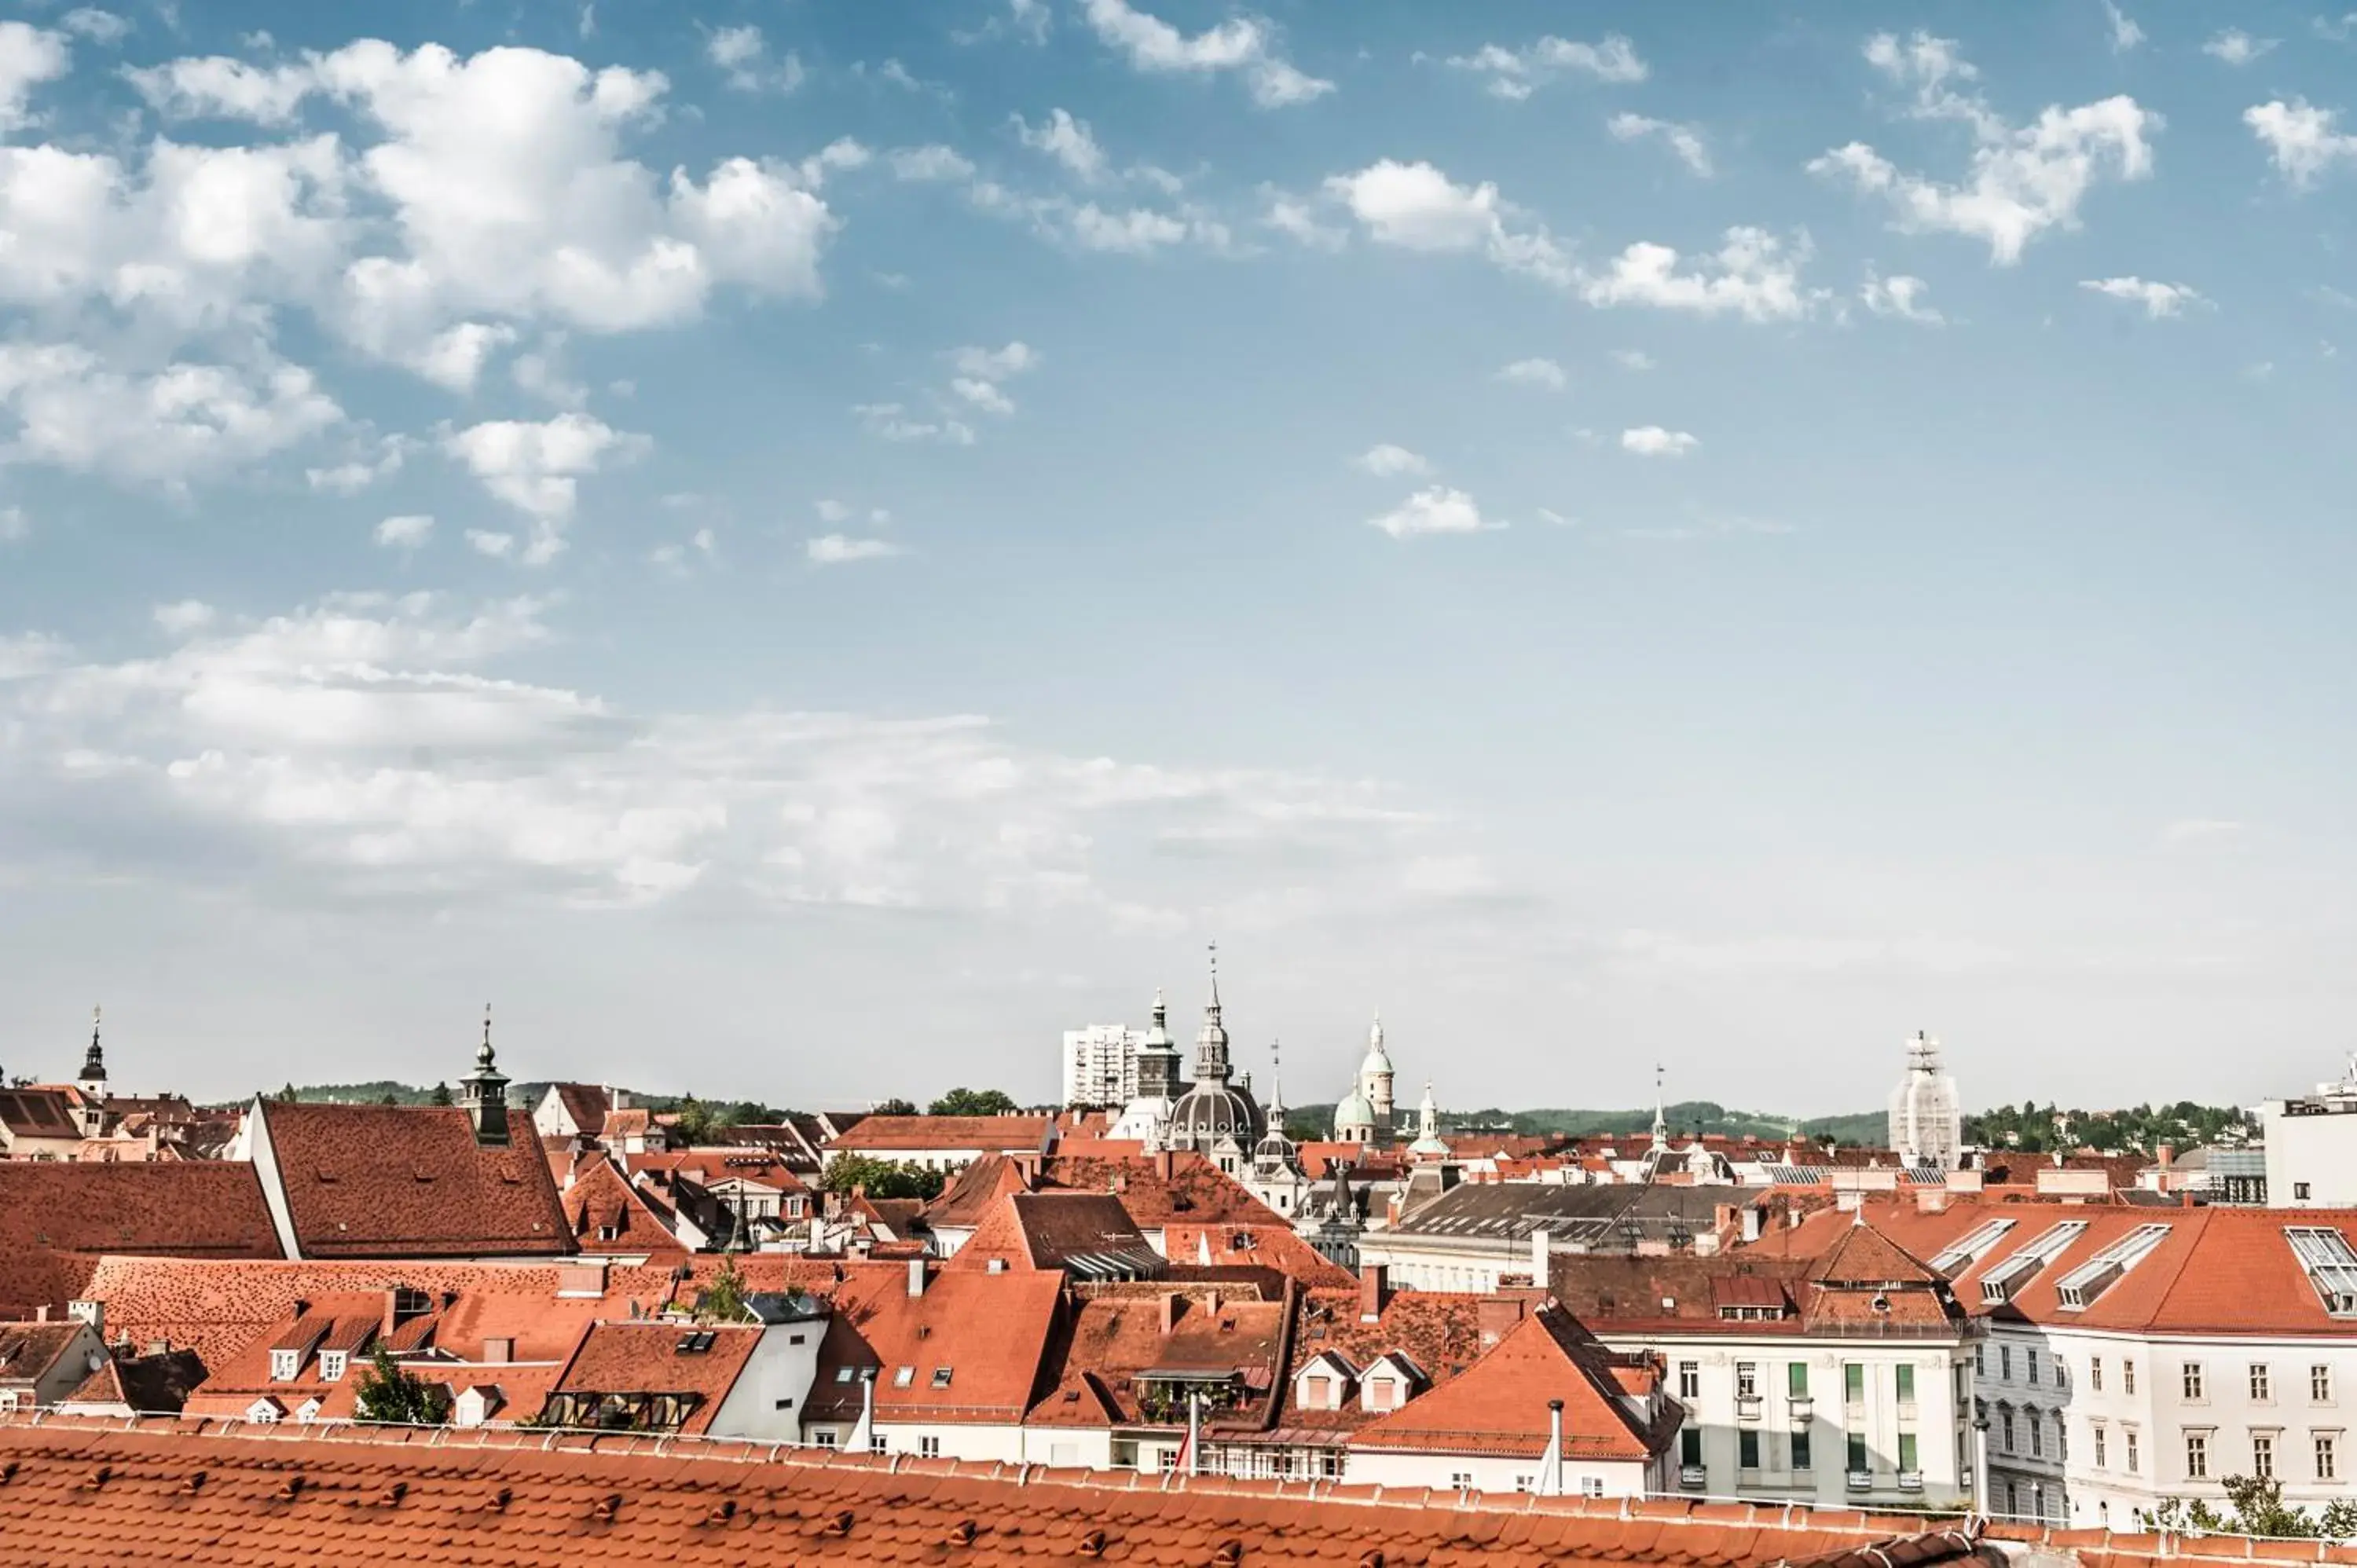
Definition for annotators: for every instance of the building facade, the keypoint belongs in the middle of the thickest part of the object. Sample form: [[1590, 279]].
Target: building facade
[[1927, 1119]]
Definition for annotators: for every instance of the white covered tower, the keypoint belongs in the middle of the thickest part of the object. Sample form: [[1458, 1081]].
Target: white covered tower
[[1927, 1119], [1375, 1079]]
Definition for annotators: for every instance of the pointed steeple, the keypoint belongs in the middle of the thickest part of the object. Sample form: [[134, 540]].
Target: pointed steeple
[[94, 1062], [1661, 1112], [1275, 1083], [1157, 1056], [1211, 1040], [484, 1094]]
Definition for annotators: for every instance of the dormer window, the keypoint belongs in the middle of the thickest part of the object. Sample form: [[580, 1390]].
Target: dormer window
[[332, 1364], [1383, 1392], [285, 1365]]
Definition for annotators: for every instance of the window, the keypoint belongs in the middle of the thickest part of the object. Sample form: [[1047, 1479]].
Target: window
[[2036, 1435], [332, 1364], [1980, 1361], [2127, 1376], [1802, 1458], [940, 1376], [2194, 1380], [2262, 1388], [822, 1437], [2197, 1455], [2299, 1191], [1460, 1480], [1907, 1459], [1690, 1445], [1796, 1379], [2319, 1384], [2128, 1447], [1689, 1380], [845, 1374], [2029, 1366], [1747, 1380], [1526, 1483], [2325, 1470], [1747, 1449], [903, 1376], [1906, 1382], [2061, 1374], [2102, 1456], [2263, 1455], [1591, 1486], [2095, 1374], [928, 1448], [2005, 1429], [2004, 1361], [1858, 1452], [1852, 1382]]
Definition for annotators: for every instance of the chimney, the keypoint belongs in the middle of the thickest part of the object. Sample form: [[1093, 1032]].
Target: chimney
[[392, 1313], [1539, 1243], [41, 1313], [916, 1277], [1752, 1222], [2165, 1156], [1497, 1316], [1169, 1312], [1373, 1286], [1166, 1163], [91, 1312], [1551, 1467]]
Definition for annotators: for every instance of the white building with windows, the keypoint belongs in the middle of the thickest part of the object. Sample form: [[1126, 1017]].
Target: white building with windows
[[1100, 1067], [1927, 1119], [2136, 1354], [2311, 1146]]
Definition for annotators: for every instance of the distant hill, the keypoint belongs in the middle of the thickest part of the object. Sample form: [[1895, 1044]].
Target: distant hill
[[1689, 1116]]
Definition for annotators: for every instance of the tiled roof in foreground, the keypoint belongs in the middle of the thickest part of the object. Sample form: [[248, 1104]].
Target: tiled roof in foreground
[[244, 1497]]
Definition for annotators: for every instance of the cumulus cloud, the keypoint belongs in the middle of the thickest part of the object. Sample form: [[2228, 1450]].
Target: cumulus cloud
[[893, 422], [2235, 47], [1385, 461], [1898, 297], [1753, 275], [1437, 508], [837, 549], [2023, 180], [29, 55], [407, 532], [1633, 359], [1244, 45], [536, 468], [2303, 141], [1542, 373], [166, 430], [2125, 34], [2158, 299], [1068, 141], [1515, 74], [743, 55], [185, 617], [1652, 441], [1415, 207], [1685, 141], [929, 163]]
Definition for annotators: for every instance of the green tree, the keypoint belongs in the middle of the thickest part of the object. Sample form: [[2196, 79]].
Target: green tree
[[973, 1103], [441, 1095], [723, 1301], [696, 1121], [2258, 1510], [895, 1108], [391, 1394], [881, 1179]]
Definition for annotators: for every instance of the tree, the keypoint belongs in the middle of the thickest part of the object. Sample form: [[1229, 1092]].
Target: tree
[[2259, 1511], [391, 1394], [895, 1108], [881, 1179], [696, 1121], [973, 1103], [441, 1095], [723, 1301]]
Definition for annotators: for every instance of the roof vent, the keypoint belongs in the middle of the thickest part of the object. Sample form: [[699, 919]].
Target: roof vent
[[1230, 1554], [390, 1496], [290, 1488], [840, 1525], [607, 1506], [723, 1513], [498, 1501], [963, 1533], [1093, 1544], [193, 1484]]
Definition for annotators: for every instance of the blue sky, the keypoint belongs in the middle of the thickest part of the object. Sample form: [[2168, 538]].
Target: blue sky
[[803, 548]]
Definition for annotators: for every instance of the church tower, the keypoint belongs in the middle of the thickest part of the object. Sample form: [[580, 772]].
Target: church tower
[[1375, 1080], [483, 1095], [1157, 1057]]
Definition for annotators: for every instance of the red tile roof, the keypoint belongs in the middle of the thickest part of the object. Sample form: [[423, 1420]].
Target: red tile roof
[[56, 1218], [144, 1385], [27, 1350], [1115, 1340], [606, 1214], [991, 1331], [974, 1193], [916, 1135], [410, 1181], [361, 1497], [1498, 1405], [587, 1103], [661, 1359], [1080, 1232], [1193, 1190], [38, 1113], [1278, 1247]]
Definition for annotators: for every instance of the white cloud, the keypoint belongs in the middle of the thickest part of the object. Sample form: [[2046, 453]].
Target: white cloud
[[1418, 208], [836, 549], [499, 546], [1241, 44], [2236, 47], [1633, 359], [99, 27], [2302, 140], [1753, 275], [178, 426], [1685, 141], [2339, 29], [892, 422], [1065, 139], [1437, 508], [187, 615], [995, 364], [2023, 180], [453, 360], [210, 86], [1544, 373], [351, 479], [1135, 231], [1386, 461], [929, 163], [536, 468], [1297, 220], [743, 55], [831, 510], [408, 532], [1898, 297], [2125, 34], [2158, 299], [984, 395], [29, 55], [1652, 441], [1515, 74]]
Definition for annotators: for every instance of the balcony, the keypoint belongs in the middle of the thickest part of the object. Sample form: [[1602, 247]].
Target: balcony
[[1801, 1409], [1861, 1480], [1692, 1477], [1910, 1480], [1746, 1407]]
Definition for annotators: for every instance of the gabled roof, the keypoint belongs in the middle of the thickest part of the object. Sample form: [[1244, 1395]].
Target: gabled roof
[[51, 1212], [919, 1134], [1114, 1341], [410, 1181], [1498, 1405], [1161, 1188], [974, 1193], [586, 1103], [1248, 1245], [990, 1331], [38, 1113], [600, 1201], [364, 1497], [29, 1350], [1085, 1234], [654, 1358]]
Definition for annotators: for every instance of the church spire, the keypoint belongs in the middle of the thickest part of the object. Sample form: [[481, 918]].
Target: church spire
[[484, 1094], [94, 1061], [1211, 1040], [1275, 1083], [1661, 1112]]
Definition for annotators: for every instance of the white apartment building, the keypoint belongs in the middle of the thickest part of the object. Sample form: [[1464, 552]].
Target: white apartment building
[[2311, 1146], [2136, 1354], [1100, 1067]]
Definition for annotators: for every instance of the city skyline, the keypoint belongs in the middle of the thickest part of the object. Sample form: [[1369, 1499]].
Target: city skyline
[[847, 542]]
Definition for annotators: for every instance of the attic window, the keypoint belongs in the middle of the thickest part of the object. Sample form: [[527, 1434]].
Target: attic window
[[283, 1365], [696, 1344], [903, 1377], [331, 1365], [843, 1374], [940, 1376]]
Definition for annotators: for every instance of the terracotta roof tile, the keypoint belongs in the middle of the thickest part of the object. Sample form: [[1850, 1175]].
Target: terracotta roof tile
[[698, 1365], [51, 1212], [377, 1181], [903, 1134], [605, 1213]]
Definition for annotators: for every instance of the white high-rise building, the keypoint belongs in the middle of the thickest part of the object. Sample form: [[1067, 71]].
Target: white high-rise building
[[1927, 1119], [1101, 1065]]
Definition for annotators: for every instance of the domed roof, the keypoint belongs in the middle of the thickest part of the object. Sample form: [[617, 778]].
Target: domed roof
[[1210, 1112], [1353, 1111], [1378, 1060]]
